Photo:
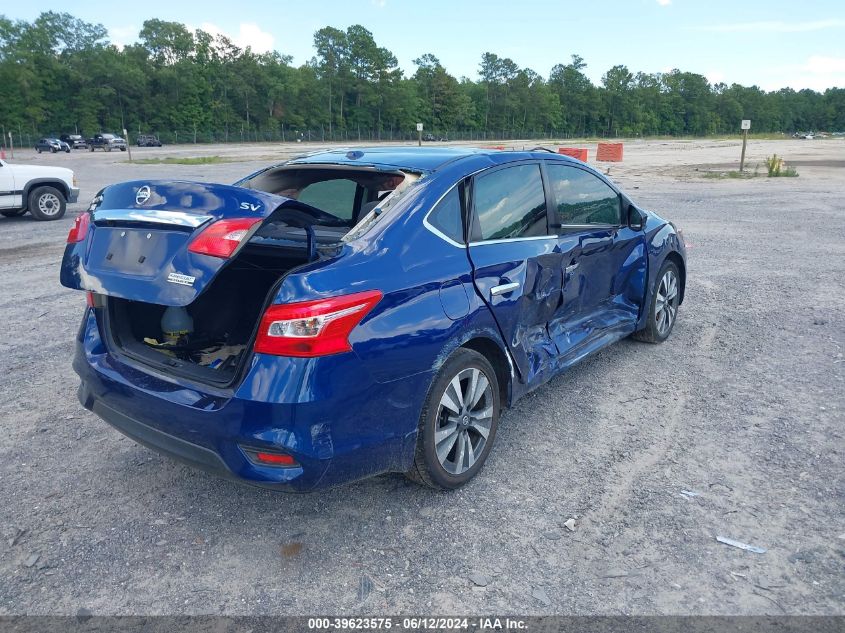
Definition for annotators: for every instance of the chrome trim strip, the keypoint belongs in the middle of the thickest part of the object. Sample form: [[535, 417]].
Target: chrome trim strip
[[433, 229], [515, 239], [152, 216], [440, 234]]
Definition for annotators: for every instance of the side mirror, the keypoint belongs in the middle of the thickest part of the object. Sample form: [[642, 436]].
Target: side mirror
[[636, 218]]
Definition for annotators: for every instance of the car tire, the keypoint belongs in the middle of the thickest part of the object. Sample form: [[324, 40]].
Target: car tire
[[52, 150], [67, 151], [47, 203], [451, 442], [122, 149], [38, 149], [12, 213], [663, 312]]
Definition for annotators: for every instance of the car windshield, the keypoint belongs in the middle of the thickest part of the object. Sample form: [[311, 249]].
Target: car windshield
[[108, 135]]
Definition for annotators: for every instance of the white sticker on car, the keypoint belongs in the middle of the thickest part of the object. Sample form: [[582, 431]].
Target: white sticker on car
[[179, 278]]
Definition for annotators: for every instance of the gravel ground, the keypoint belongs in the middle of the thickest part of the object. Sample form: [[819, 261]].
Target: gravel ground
[[742, 407]]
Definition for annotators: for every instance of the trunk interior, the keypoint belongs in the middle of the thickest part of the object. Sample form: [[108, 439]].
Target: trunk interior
[[225, 317], [210, 339]]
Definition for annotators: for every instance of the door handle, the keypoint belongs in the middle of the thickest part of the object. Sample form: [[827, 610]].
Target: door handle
[[503, 289], [571, 268]]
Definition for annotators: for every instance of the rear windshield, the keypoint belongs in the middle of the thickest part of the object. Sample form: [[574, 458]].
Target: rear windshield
[[346, 195]]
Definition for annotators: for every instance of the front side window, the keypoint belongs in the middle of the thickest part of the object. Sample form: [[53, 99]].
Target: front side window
[[582, 198], [446, 216], [335, 196], [510, 203]]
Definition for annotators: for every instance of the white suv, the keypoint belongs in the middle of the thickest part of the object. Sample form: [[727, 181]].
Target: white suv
[[41, 190]]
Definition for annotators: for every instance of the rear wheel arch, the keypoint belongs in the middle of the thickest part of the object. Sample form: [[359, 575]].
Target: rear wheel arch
[[498, 358]]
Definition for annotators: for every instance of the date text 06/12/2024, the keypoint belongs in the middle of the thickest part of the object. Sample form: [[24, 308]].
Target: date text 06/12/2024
[[417, 624]]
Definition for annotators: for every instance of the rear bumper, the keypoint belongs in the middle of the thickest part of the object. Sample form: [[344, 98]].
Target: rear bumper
[[74, 194], [337, 423], [159, 441]]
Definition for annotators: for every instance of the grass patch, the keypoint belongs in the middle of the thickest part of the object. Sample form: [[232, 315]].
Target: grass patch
[[186, 160], [778, 169]]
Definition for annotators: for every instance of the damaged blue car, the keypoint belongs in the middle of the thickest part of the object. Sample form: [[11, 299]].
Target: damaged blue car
[[350, 313]]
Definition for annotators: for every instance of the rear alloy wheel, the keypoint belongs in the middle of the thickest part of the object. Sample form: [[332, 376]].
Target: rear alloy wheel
[[47, 203], [664, 306], [458, 422]]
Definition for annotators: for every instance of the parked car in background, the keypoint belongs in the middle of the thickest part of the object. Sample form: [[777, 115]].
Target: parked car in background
[[350, 313], [51, 145], [147, 140], [41, 190], [76, 141], [106, 142]]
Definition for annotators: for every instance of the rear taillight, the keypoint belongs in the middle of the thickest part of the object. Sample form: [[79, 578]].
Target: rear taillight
[[313, 328], [79, 229], [222, 238]]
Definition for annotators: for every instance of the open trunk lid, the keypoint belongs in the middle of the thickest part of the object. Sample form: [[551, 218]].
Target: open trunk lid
[[136, 241]]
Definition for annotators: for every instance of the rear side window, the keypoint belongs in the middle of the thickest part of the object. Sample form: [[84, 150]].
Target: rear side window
[[333, 196], [582, 198], [446, 216], [510, 203]]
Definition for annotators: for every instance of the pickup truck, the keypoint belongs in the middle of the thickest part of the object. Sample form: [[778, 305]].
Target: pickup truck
[[41, 190], [106, 142]]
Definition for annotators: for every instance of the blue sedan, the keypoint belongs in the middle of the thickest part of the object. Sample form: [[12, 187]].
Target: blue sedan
[[350, 313]]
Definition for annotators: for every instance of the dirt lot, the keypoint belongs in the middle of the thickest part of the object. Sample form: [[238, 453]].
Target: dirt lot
[[743, 406]]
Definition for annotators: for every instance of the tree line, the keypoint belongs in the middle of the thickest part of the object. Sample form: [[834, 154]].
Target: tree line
[[61, 74]]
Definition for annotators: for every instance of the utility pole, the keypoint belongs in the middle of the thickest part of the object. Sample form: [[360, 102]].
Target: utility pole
[[746, 125]]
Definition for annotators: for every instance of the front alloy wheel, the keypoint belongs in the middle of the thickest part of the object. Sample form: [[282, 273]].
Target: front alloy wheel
[[458, 422], [664, 306], [667, 302]]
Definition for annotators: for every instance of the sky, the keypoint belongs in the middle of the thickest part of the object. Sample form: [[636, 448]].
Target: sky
[[771, 44]]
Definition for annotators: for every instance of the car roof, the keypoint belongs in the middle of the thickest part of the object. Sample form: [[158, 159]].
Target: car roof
[[418, 159]]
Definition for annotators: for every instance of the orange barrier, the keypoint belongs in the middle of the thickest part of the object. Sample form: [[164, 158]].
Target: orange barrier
[[609, 152], [576, 152], [496, 147]]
